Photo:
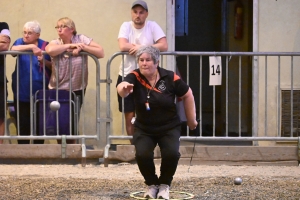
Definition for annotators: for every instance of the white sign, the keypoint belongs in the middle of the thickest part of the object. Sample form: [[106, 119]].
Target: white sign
[[215, 71]]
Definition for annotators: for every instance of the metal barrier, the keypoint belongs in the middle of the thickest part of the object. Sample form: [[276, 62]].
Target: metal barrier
[[251, 92], [257, 100], [42, 109]]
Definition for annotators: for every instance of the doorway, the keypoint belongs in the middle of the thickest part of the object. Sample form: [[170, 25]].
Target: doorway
[[208, 26]]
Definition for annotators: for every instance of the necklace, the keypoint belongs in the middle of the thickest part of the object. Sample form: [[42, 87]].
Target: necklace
[[148, 93]]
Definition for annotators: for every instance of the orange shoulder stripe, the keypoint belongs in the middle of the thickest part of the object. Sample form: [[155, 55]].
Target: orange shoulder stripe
[[143, 82], [176, 77]]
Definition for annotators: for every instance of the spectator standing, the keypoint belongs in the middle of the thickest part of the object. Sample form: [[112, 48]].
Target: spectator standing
[[4, 45], [70, 41], [21, 87], [132, 35]]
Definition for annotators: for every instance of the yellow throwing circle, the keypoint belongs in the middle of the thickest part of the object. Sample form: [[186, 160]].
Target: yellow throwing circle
[[185, 194]]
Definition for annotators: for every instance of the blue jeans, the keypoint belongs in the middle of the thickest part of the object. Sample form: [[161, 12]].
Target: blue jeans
[[168, 141]]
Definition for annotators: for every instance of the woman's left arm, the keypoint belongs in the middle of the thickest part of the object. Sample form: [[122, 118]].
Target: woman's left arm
[[93, 48], [4, 42], [190, 110]]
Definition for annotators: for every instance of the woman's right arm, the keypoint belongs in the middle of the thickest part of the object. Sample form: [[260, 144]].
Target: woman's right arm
[[27, 47], [124, 89], [54, 49]]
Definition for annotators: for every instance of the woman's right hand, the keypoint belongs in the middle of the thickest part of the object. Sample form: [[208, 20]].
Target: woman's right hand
[[128, 88], [125, 88]]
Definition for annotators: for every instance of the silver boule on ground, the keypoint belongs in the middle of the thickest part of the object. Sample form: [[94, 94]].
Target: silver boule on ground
[[238, 181]]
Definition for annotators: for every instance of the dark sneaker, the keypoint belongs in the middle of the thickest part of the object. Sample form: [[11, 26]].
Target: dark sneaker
[[151, 192], [163, 191]]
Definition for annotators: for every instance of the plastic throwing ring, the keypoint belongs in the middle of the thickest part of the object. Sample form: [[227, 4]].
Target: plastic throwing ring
[[189, 195]]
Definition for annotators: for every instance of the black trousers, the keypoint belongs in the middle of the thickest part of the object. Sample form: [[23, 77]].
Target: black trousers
[[2, 100], [168, 141]]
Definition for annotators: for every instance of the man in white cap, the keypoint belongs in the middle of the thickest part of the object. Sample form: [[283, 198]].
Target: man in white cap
[[4, 45], [133, 34]]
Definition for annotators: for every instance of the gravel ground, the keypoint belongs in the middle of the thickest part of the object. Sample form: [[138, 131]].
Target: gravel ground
[[120, 181]]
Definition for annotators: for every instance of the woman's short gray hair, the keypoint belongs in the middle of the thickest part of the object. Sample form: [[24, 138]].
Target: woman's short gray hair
[[33, 25], [153, 51]]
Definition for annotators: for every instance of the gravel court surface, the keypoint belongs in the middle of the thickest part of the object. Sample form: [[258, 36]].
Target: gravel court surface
[[118, 181]]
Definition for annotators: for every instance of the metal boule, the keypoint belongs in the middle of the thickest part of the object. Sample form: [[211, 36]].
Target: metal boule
[[54, 105], [238, 181]]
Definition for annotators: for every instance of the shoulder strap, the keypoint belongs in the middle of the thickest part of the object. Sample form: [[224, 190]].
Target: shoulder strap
[[41, 65], [44, 45]]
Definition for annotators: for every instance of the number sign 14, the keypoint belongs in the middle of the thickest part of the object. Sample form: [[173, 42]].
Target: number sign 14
[[215, 71]]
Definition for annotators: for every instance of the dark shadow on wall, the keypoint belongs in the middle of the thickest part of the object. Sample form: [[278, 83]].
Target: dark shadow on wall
[[206, 28]]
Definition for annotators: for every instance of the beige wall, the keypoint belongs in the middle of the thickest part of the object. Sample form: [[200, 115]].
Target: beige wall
[[278, 31], [279, 25], [99, 19]]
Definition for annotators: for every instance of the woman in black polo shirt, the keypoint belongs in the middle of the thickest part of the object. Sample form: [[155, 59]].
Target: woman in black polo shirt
[[154, 90]]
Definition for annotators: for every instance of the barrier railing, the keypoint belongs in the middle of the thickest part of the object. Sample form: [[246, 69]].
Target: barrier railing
[[256, 100], [250, 92], [49, 113]]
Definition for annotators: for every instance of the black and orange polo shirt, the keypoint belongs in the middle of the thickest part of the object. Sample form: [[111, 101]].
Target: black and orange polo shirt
[[162, 114]]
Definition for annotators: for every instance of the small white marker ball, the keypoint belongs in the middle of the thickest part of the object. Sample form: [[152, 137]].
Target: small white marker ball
[[54, 105], [238, 181]]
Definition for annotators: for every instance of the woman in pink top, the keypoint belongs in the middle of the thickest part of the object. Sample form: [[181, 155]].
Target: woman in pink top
[[71, 42]]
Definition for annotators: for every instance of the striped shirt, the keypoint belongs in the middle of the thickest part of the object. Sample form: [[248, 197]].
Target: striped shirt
[[64, 65]]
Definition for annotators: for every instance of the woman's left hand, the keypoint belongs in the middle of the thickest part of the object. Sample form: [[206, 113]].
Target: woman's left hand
[[76, 48], [192, 124], [40, 59], [76, 51]]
